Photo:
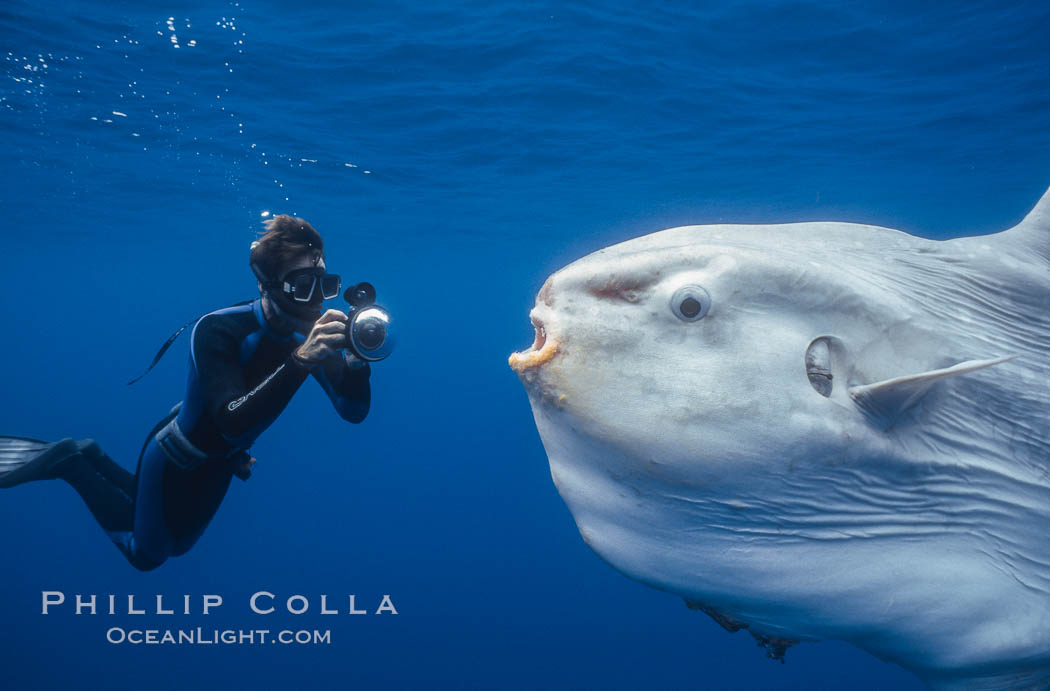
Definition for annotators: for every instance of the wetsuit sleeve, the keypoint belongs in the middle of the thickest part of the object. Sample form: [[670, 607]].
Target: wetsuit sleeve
[[235, 405], [348, 388]]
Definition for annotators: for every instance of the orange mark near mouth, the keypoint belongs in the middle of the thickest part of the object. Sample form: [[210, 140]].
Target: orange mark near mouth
[[541, 350], [519, 362]]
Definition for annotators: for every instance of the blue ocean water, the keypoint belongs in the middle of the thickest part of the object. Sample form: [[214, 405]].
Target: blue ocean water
[[454, 155]]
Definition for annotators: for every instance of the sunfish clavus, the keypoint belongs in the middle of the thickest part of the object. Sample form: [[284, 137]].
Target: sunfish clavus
[[816, 431]]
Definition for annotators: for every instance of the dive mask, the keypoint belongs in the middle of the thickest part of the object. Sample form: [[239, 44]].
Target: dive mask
[[310, 285]]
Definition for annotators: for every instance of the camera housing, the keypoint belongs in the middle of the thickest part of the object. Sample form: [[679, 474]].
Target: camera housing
[[368, 328]]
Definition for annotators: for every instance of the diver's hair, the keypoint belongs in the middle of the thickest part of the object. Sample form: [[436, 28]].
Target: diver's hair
[[284, 239]]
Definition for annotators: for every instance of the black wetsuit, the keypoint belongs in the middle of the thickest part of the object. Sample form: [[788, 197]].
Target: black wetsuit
[[242, 375]]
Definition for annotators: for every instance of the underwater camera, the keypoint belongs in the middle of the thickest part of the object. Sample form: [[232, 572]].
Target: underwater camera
[[368, 327]]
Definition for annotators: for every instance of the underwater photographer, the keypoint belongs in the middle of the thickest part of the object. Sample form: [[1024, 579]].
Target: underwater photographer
[[246, 362]]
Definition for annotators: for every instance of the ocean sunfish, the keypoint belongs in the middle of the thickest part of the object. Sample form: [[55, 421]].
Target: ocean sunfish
[[816, 431]]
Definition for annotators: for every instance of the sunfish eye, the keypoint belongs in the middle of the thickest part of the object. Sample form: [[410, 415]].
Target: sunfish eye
[[690, 303]]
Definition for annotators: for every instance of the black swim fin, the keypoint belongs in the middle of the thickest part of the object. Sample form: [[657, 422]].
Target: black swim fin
[[25, 460]]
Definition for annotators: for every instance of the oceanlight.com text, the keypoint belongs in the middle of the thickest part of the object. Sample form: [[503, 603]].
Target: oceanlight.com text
[[201, 636]]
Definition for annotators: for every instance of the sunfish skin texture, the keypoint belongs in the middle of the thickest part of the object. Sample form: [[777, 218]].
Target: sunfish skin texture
[[816, 431]]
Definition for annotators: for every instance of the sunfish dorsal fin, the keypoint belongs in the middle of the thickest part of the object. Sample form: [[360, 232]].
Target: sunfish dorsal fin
[[1034, 229], [887, 400]]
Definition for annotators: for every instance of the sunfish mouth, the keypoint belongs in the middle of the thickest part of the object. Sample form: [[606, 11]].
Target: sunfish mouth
[[542, 349]]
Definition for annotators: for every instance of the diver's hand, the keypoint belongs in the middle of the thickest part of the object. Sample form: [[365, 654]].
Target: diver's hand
[[242, 467], [326, 338]]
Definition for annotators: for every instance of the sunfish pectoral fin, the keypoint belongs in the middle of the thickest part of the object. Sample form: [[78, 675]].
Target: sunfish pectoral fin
[[887, 400]]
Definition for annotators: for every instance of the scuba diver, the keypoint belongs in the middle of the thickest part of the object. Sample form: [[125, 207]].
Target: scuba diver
[[245, 364]]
